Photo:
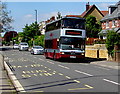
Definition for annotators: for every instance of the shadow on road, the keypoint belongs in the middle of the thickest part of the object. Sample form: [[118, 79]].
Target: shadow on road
[[5, 48], [85, 60]]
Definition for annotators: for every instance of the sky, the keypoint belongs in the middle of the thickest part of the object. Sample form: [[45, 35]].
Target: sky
[[23, 12]]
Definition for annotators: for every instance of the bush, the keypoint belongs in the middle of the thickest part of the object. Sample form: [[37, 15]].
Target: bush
[[30, 42], [39, 40], [100, 41], [112, 39]]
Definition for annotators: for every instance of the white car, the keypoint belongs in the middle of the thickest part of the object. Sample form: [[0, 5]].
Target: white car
[[37, 50], [15, 46], [23, 46]]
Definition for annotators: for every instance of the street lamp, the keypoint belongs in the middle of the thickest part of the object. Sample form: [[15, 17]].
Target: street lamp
[[36, 15]]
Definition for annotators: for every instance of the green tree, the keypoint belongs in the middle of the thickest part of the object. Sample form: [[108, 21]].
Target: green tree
[[92, 27], [20, 36], [5, 18], [30, 31], [40, 40], [15, 40], [113, 38]]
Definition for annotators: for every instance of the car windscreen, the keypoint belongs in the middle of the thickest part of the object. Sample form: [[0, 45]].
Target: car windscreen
[[37, 47], [24, 44], [15, 44]]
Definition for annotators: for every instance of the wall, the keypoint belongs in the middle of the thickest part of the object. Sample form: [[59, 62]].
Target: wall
[[97, 15], [96, 51]]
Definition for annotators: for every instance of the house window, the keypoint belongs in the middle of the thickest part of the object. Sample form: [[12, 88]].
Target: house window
[[113, 23], [107, 24], [117, 22]]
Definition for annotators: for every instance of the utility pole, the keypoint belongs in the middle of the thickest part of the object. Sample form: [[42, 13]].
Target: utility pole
[[36, 15], [35, 26]]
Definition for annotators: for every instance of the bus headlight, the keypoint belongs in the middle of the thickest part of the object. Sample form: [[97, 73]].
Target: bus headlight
[[62, 53], [83, 54]]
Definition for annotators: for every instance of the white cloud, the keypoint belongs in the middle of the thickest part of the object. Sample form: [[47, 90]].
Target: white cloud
[[28, 16], [104, 6], [43, 17]]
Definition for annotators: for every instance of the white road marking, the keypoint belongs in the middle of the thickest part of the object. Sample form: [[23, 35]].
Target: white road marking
[[50, 62], [111, 81], [19, 66], [76, 81], [14, 79], [68, 77], [60, 73], [63, 67], [35, 74], [37, 71], [89, 86], [83, 73], [45, 67]]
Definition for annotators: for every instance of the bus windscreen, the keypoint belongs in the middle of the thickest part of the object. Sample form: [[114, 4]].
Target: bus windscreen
[[69, 43], [73, 23]]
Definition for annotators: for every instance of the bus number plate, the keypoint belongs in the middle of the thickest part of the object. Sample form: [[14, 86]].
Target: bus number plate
[[72, 56]]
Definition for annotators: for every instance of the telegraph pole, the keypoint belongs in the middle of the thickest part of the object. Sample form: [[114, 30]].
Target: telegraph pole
[[36, 23], [36, 15]]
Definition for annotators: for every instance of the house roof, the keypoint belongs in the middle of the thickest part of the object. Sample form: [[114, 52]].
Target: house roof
[[103, 13], [73, 15], [115, 14], [85, 12], [117, 30]]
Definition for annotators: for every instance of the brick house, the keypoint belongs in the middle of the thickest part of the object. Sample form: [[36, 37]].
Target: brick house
[[111, 21], [9, 35], [94, 11]]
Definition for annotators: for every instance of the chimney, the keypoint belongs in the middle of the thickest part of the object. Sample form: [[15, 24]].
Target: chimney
[[87, 6]]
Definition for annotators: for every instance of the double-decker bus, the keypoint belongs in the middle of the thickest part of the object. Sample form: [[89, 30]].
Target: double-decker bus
[[65, 38]]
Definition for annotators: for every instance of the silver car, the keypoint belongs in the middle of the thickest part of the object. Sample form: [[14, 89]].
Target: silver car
[[15, 46], [23, 46], [37, 50]]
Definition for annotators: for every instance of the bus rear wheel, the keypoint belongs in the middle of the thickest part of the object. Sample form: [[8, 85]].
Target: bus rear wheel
[[54, 56], [46, 57]]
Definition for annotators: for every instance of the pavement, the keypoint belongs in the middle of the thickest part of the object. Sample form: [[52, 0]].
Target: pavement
[[108, 64], [6, 86]]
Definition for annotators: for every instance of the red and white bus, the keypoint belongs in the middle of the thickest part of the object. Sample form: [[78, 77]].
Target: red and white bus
[[65, 38]]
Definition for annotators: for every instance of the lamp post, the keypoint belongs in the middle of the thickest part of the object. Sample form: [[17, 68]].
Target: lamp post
[[36, 15], [36, 22]]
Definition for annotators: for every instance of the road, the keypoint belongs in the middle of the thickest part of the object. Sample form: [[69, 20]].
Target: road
[[37, 74]]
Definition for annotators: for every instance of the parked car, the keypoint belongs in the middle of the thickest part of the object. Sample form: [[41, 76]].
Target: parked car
[[37, 50], [23, 46], [15, 46]]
